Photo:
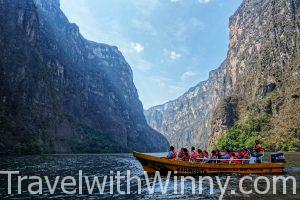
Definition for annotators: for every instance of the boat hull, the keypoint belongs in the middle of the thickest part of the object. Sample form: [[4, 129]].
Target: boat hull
[[151, 164]]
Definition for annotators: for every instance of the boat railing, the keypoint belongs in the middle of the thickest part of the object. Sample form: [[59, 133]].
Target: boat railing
[[216, 159], [230, 160]]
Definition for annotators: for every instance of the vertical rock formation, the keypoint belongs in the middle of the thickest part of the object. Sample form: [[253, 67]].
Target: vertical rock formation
[[259, 76], [62, 93], [186, 120]]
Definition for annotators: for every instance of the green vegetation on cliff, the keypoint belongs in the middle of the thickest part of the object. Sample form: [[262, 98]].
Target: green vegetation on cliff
[[265, 98], [274, 120], [244, 134], [93, 141]]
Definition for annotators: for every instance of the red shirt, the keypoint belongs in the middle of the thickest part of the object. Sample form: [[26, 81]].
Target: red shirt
[[236, 161], [186, 157], [194, 155], [258, 149]]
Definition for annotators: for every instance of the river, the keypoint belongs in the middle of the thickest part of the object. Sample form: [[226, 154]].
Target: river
[[102, 165]]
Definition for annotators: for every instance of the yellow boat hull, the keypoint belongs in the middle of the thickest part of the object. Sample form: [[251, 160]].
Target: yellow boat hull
[[151, 164]]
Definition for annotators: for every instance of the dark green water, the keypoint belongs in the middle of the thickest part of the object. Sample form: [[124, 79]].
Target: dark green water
[[101, 165]]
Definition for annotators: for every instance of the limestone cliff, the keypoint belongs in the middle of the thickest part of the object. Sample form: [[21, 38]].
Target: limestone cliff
[[259, 76], [61, 93], [186, 120]]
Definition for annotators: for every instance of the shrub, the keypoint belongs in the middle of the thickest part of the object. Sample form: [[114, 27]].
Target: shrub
[[244, 134]]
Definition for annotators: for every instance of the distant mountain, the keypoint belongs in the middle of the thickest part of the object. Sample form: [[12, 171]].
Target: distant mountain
[[61, 93], [254, 94]]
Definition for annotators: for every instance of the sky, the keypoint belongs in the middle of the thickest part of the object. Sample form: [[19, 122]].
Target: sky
[[171, 45]]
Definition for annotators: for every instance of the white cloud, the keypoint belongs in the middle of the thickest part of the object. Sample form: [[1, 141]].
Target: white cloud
[[138, 48], [134, 59], [173, 55], [174, 1], [186, 75], [204, 1]]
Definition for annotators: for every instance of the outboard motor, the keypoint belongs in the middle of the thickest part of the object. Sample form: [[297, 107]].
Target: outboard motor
[[278, 157]]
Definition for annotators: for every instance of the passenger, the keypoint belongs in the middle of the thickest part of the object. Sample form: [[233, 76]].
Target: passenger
[[214, 154], [213, 158], [226, 156], [246, 155], [235, 158], [259, 151], [172, 154], [218, 154], [241, 156], [232, 158], [200, 155], [205, 156], [181, 153], [186, 155], [194, 154]]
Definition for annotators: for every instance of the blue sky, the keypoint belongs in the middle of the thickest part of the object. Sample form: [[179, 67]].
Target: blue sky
[[171, 45]]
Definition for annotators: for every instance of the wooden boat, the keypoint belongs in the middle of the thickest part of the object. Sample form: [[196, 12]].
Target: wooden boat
[[151, 164]]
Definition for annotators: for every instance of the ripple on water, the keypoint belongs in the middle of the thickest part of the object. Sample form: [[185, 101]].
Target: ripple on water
[[101, 165]]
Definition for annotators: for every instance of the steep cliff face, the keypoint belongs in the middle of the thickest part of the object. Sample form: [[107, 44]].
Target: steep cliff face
[[265, 67], [61, 92], [186, 120], [259, 76]]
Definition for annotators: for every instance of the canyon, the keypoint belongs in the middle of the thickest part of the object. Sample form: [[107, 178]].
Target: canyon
[[258, 79], [61, 93]]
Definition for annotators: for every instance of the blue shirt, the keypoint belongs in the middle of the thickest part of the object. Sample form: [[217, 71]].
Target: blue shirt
[[170, 154], [226, 156]]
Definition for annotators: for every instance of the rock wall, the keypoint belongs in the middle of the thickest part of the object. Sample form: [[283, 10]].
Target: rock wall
[[61, 93], [262, 63]]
